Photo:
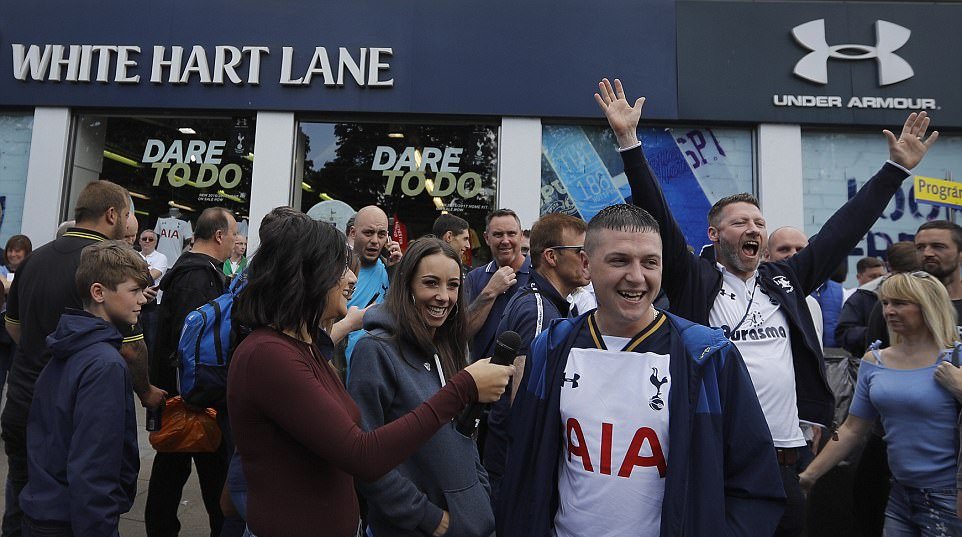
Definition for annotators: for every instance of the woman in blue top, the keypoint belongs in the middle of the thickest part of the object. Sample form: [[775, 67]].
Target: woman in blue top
[[919, 415]]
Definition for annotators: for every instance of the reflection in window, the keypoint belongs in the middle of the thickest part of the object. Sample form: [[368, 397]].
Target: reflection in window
[[413, 172], [582, 172], [15, 132]]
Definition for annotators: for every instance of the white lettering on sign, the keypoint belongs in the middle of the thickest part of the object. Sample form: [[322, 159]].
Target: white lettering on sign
[[406, 172], [174, 163], [835, 101], [363, 67]]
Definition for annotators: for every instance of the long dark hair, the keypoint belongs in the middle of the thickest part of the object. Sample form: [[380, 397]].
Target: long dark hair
[[449, 339], [297, 263]]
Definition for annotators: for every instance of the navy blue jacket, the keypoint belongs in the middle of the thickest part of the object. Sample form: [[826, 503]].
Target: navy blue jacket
[[692, 282], [521, 316], [82, 431], [482, 344], [829, 297], [389, 378], [722, 477]]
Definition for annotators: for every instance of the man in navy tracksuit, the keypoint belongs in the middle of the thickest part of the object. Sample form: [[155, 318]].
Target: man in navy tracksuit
[[761, 306], [556, 270], [632, 421]]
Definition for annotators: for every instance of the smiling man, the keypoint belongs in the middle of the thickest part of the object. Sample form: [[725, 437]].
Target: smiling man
[[617, 428], [490, 287], [761, 306]]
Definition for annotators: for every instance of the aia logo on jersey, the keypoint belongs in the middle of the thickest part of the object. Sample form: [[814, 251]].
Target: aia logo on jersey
[[169, 233], [578, 447]]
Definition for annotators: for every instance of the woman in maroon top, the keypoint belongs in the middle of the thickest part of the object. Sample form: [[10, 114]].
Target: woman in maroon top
[[295, 426]]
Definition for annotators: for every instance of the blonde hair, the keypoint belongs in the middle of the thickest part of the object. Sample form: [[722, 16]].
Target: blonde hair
[[923, 289]]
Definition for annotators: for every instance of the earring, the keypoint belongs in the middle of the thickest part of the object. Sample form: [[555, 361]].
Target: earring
[[413, 301]]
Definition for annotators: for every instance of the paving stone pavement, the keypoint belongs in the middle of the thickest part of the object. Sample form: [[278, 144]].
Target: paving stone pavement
[[193, 517]]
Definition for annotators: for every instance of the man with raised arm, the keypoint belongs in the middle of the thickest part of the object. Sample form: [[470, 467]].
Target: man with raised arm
[[761, 306]]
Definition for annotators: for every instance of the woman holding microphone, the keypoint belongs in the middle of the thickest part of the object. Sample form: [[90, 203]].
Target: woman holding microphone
[[415, 347], [297, 430]]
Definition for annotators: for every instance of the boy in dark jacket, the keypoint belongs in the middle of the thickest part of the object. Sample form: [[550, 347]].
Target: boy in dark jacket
[[82, 431]]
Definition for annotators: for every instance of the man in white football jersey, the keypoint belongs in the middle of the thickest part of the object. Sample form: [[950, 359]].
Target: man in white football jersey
[[632, 421]]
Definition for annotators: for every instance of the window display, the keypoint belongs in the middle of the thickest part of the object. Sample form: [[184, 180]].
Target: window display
[[174, 168], [582, 172], [835, 165], [413, 172]]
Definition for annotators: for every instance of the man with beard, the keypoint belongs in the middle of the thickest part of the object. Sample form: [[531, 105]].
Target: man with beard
[[43, 288], [761, 306], [939, 245], [368, 236]]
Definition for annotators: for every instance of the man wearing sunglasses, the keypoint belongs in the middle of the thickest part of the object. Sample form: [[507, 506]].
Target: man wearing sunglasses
[[556, 270], [157, 263]]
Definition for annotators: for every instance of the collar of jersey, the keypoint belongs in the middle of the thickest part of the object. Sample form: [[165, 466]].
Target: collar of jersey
[[635, 341], [82, 233]]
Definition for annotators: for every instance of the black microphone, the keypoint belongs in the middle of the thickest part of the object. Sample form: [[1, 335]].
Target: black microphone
[[505, 351]]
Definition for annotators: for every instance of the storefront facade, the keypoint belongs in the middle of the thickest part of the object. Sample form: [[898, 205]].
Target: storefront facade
[[430, 106]]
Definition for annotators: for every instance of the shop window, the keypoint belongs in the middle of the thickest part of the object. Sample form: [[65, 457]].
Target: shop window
[[582, 172], [413, 172], [15, 132], [174, 168], [835, 165]]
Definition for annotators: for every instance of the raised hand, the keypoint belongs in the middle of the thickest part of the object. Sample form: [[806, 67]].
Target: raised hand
[[622, 116], [908, 149]]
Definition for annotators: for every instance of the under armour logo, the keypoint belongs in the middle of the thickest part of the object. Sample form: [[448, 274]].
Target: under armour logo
[[889, 38], [573, 381], [722, 292]]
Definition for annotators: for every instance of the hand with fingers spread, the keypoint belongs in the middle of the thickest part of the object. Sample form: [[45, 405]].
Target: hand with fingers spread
[[908, 149], [622, 116]]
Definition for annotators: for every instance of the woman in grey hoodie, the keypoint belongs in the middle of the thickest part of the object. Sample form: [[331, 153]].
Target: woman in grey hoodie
[[415, 342]]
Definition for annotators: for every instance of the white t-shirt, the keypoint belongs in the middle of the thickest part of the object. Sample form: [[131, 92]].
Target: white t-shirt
[[758, 327], [611, 479], [171, 234], [156, 261]]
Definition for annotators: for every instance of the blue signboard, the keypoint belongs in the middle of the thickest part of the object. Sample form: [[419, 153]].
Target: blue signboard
[[498, 58]]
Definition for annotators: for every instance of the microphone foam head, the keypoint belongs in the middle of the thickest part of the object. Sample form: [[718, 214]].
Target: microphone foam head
[[510, 339]]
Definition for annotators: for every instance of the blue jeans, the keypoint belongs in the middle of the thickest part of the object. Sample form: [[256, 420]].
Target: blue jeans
[[913, 512]]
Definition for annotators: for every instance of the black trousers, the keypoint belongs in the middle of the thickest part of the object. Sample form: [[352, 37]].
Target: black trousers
[[792, 523], [167, 478], [15, 446]]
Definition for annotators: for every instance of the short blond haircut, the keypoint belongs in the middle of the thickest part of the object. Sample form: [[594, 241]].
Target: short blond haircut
[[109, 263], [927, 291]]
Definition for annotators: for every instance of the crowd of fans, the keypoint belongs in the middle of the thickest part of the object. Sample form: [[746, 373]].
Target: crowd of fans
[[655, 391]]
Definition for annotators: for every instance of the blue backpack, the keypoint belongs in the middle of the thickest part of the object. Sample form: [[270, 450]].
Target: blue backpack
[[206, 343]]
